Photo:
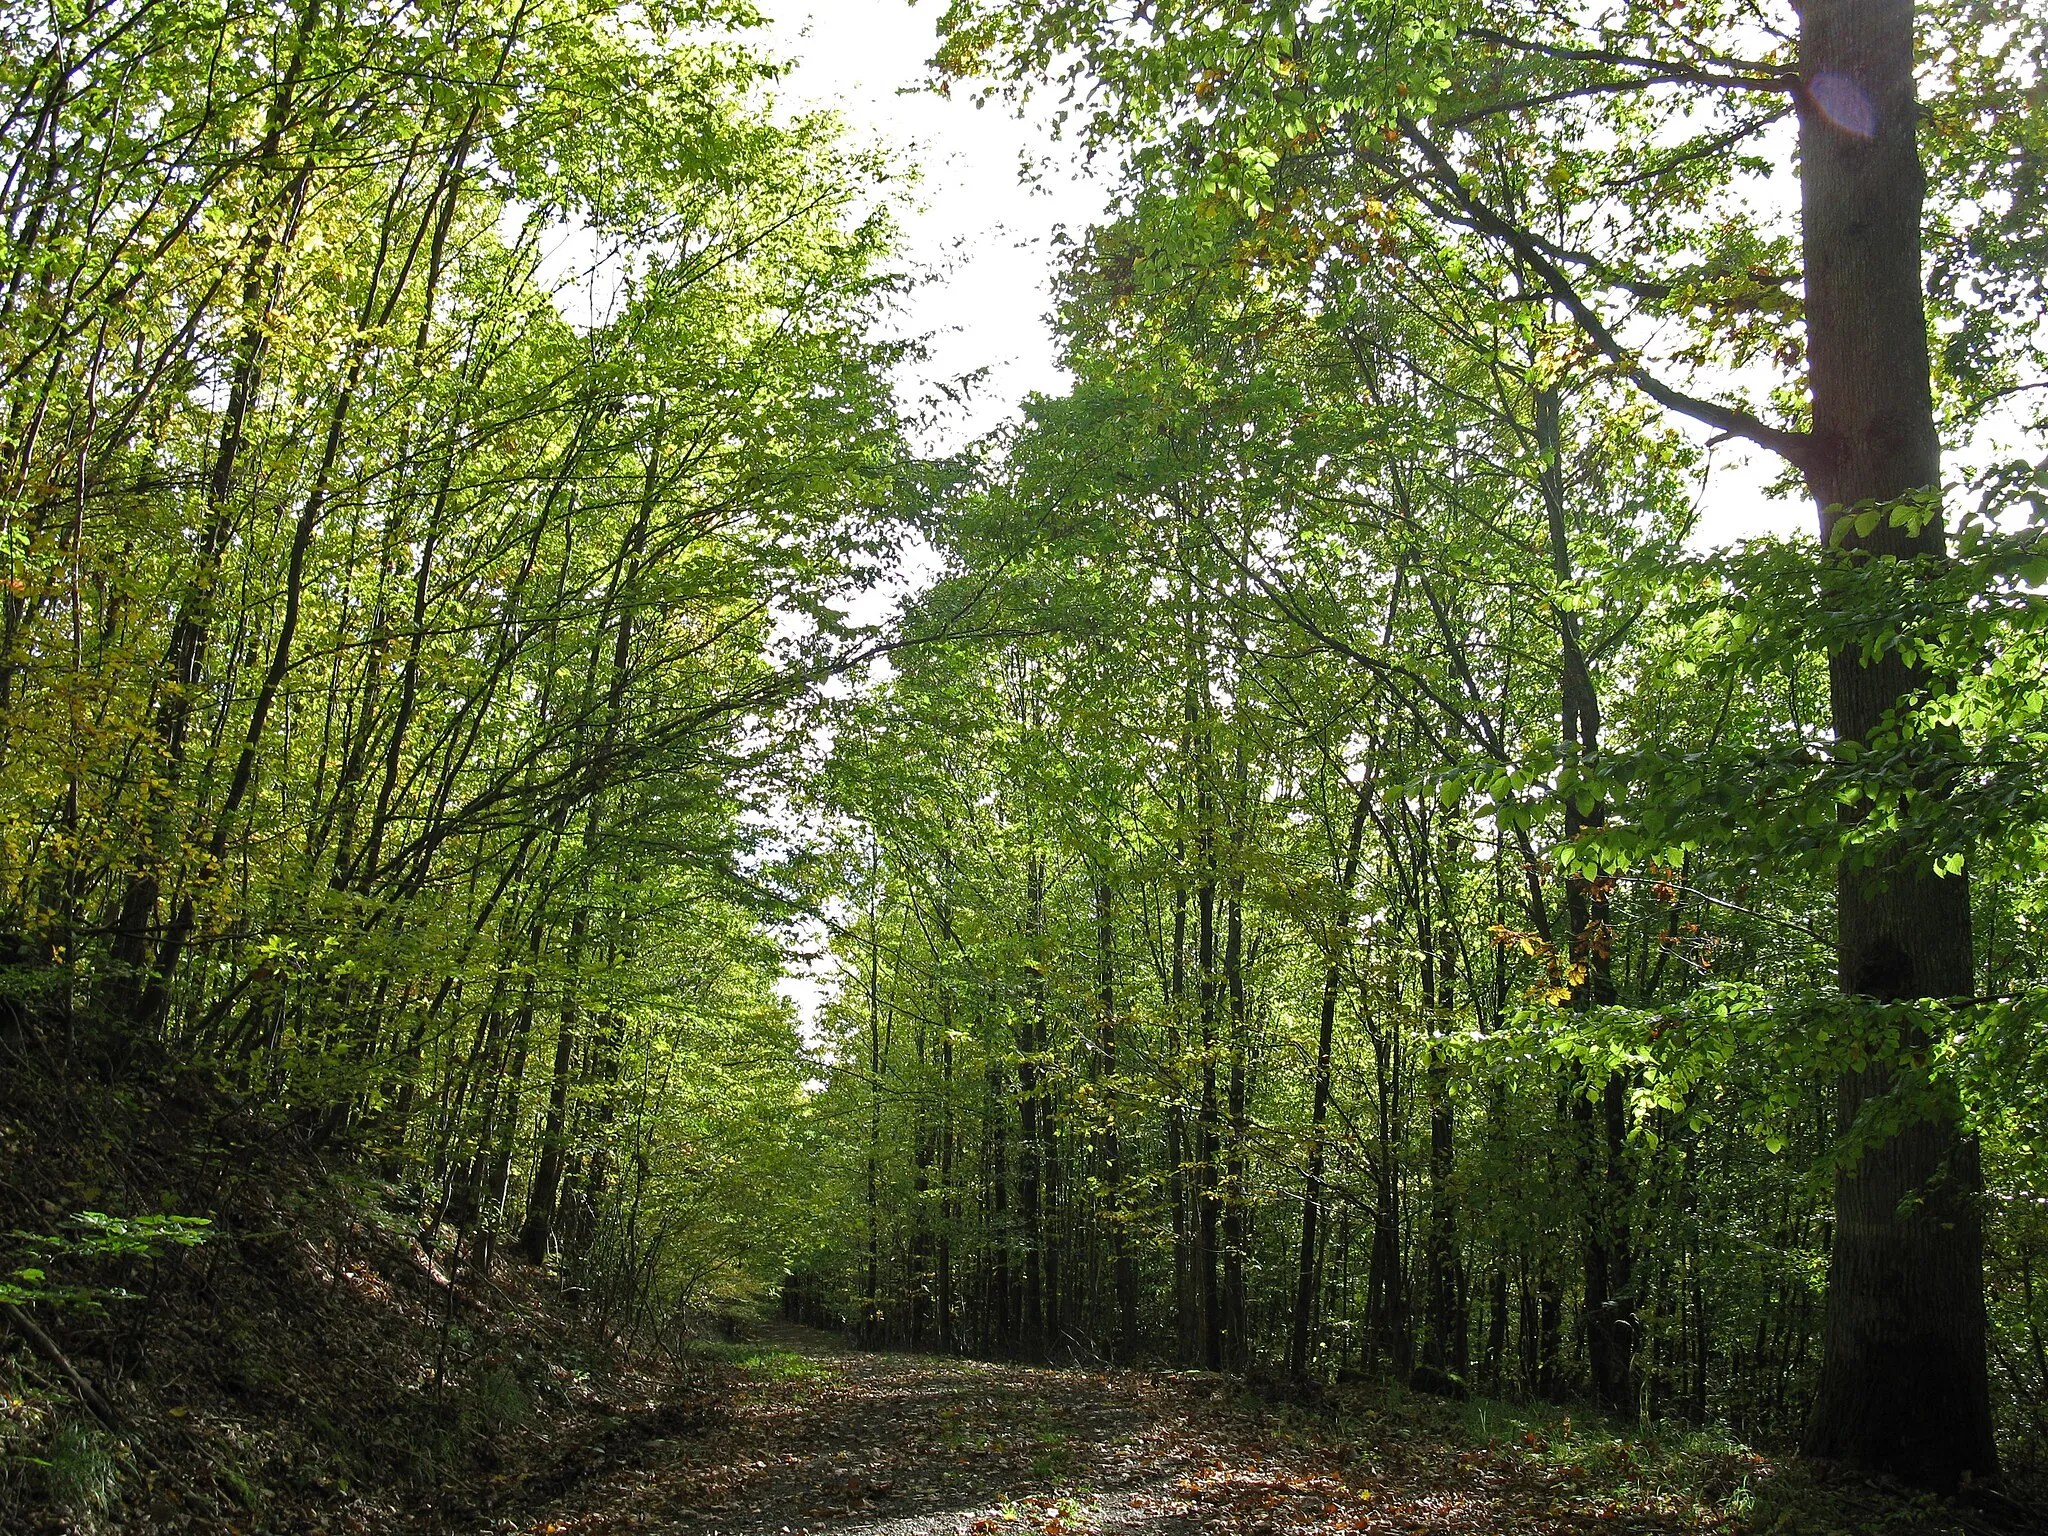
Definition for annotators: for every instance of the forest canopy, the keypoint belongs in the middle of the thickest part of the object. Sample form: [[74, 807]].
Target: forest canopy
[[1334, 874]]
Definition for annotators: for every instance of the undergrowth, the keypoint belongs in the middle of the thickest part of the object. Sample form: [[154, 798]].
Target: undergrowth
[[305, 1368], [1593, 1468], [762, 1360]]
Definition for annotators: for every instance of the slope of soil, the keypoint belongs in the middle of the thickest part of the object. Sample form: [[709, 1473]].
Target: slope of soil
[[306, 1369]]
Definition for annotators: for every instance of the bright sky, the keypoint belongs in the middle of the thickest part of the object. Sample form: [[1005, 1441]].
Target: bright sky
[[985, 237], [980, 232]]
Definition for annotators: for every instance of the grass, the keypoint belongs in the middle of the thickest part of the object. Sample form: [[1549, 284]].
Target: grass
[[1702, 1477], [82, 1470], [1710, 1475], [764, 1360], [500, 1402], [1052, 1454]]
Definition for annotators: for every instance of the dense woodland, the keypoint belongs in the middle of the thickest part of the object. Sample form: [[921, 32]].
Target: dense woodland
[[1334, 872], [433, 435]]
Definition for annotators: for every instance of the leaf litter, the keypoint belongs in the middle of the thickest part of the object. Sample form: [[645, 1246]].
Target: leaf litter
[[817, 1438]]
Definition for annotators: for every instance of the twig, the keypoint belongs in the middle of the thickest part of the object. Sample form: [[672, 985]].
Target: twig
[[46, 1346]]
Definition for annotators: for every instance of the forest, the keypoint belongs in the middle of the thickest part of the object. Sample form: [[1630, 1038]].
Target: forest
[[1306, 860]]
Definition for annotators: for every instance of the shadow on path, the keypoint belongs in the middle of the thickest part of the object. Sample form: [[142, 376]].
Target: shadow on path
[[825, 1439]]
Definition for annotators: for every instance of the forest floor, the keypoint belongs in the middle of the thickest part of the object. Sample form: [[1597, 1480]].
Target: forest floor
[[312, 1369], [817, 1438]]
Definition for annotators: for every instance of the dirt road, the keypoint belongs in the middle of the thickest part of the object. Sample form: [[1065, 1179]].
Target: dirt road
[[821, 1439]]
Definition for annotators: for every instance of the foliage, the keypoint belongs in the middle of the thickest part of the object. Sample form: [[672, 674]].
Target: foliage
[[441, 443], [1372, 902], [1332, 875], [101, 1237]]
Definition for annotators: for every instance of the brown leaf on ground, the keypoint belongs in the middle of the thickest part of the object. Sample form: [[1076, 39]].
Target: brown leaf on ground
[[864, 1444]]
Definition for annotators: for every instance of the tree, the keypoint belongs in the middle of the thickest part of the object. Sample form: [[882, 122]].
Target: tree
[[1281, 120], [403, 627], [1904, 1383]]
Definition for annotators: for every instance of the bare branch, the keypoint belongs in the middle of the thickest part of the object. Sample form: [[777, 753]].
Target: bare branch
[[1795, 447], [1744, 75]]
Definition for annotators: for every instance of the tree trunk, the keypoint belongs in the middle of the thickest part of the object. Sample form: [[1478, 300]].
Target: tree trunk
[[192, 633], [1386, 1282], [1184, 1311], [1236, 1209], [1903, 1384], [1207, 1291], [1030, 1142], [871, 1293], [1446, 1347], [947, 1211], [1603, 1179], [539, 1229], [997, 1312], [1319, 1099], [1124, 1272]]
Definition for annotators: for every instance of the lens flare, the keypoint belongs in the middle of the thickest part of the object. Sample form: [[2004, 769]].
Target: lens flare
[[1844, 103]]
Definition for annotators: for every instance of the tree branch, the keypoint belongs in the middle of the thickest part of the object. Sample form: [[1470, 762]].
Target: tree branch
[[1758, 77], [1795, 447]]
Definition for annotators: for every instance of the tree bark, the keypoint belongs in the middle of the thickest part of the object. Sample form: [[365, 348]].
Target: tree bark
[[997, 1312], [1236, 1210], [948, 1136], [871, 1294], [1904, 1386], [1184, 1309], [1604, 1178], [1030, 1142], [1207, 1137], [1446, 1346]]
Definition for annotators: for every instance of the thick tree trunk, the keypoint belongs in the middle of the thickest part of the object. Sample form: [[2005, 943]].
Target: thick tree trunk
[[1903, 1384], [1496, 1330], [1549, 1337], [1602, 1128]]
